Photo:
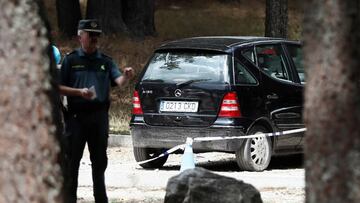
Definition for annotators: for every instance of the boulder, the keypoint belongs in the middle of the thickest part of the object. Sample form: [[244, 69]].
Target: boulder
[[202, 186]]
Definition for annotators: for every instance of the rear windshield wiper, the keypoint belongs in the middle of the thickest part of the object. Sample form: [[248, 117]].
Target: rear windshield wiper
[[152, 80], [188, 82]]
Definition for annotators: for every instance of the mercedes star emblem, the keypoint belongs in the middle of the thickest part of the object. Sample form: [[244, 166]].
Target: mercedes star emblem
[[177, 93]]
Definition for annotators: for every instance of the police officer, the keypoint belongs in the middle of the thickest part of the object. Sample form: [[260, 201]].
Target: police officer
[[86, 77]]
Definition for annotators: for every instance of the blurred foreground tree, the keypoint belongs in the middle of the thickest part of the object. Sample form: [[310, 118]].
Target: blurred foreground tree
[[119, 16], [29, 169], [276, 20], [332, 107], [68, 15]]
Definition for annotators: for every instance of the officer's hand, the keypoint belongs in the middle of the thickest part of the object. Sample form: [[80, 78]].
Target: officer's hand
[[86, 93], [128, 72]]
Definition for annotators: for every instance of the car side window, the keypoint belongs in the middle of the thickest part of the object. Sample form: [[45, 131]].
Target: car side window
[[249, 54], [296, 56], [271, 59], [243, 76]]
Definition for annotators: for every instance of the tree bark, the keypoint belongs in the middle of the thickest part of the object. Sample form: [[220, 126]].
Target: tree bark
[[276, 18], [139, 17], [109, 13], [68, 15], [332, 107], [29, 150]]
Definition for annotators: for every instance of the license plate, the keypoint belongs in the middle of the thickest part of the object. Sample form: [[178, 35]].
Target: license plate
[[179, 106]]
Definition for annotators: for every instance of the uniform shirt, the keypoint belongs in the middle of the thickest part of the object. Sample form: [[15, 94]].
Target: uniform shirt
[[81, 70]]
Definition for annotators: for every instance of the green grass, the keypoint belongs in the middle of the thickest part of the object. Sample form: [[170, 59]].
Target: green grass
[[176, 19]]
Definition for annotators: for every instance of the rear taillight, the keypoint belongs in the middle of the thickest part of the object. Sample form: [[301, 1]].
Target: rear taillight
[[137, 110], [230, 106]]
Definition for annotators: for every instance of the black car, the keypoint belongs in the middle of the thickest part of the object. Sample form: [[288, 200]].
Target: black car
[[220, 86]]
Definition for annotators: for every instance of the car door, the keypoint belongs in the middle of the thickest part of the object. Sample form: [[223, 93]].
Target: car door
[[282, 92], [247, 86], [295, 56]]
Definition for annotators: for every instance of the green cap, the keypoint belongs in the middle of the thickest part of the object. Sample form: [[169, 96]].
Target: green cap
[[89, 25]]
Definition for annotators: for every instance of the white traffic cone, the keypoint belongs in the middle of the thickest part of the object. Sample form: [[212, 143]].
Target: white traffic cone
[[187, 161]]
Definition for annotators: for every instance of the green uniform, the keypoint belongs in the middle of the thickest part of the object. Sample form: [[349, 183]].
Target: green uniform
[[87, 120], [80, 70]]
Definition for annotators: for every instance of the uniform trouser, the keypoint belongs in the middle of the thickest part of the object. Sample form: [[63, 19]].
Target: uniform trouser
[[91, 128]]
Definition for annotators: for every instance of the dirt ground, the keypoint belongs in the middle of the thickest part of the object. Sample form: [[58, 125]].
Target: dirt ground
[[127, 182]]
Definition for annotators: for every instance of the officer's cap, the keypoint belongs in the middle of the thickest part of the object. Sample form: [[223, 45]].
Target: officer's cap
[[89, 25]]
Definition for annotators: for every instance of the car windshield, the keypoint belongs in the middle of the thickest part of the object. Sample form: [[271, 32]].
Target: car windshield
[[180, 68]]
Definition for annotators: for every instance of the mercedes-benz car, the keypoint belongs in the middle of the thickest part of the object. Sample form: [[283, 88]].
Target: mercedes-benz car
[[220, 87]]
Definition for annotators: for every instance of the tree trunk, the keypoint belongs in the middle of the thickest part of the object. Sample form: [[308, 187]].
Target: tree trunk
[[139, 17], [68, 15], [29, 150], [332, 107], [276, 18], [109, 13]]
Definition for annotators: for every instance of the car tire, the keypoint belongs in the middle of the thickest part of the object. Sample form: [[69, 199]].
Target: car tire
[[142, 154], [255, 153]]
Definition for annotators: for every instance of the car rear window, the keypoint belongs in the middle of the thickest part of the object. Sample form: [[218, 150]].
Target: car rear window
[[174, 67]]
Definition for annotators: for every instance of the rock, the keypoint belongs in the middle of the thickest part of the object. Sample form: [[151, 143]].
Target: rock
[[202, 186]]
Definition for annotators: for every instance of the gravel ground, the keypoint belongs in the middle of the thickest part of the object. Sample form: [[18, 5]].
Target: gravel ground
[[129, 183]]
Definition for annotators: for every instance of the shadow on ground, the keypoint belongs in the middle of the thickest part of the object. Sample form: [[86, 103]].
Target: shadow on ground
[[227, 165]]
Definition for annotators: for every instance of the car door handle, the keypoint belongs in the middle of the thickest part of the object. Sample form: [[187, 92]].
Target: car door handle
[[272, 96]]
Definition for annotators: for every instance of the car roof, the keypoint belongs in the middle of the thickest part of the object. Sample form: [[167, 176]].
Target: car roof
[[215, 43]]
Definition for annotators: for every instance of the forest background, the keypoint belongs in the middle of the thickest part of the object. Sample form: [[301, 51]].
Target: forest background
[[174, 19]]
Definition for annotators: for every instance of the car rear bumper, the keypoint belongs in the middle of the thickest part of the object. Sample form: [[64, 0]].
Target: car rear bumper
[[144, 135]]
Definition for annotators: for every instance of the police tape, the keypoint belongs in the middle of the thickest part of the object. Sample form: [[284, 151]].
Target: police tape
[[287, 132], [172, 150], [204, 139]]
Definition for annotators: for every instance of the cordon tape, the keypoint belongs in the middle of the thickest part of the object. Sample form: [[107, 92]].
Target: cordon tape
[[205, 139]]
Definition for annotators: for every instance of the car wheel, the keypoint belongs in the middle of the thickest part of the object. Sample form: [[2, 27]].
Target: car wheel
[[255, 153], [142, 154]]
